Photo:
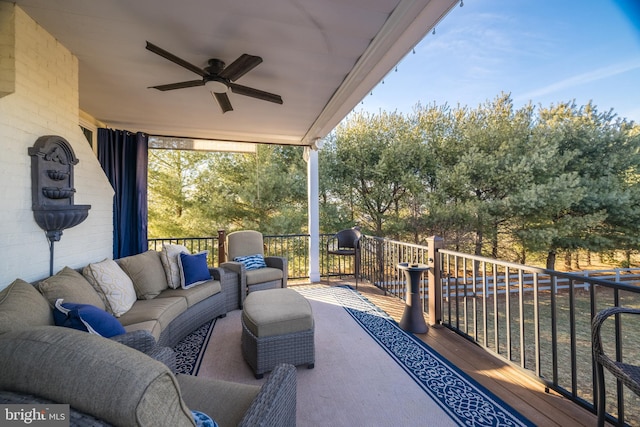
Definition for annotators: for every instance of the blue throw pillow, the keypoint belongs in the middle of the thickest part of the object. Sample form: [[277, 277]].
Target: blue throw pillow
[[193, 269], [88, 318], [203, 420], [251, 262]]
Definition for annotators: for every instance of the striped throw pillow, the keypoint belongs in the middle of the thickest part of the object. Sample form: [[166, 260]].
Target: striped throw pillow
[[251, 262]]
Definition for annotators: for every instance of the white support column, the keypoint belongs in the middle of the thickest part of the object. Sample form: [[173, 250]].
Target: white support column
[[313, 195]]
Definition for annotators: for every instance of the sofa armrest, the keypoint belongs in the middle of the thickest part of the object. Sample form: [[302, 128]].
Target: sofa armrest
[[143, 341], [280, 263], [140, 340], [239, 269], [275, 404], [230, 285], [80, 369]]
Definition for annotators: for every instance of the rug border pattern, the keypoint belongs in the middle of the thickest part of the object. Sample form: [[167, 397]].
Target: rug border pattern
[[464, 399]]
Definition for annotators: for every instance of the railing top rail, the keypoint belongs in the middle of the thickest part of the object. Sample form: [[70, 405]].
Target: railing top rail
[[411, 245], [539, 270], [152, 239]]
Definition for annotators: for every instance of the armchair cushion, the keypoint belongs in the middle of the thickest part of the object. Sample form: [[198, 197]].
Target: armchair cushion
[[251, 262], [245, 242], [262, 275], [225, 402]]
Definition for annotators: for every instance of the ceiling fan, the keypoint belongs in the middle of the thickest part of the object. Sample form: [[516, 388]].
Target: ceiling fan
[[222, 76]]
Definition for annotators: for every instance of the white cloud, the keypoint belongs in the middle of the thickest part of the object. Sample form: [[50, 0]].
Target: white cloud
[[580, 79]]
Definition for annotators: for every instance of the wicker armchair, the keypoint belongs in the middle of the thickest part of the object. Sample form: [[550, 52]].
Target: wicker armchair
[[628, 374], [246, 243]]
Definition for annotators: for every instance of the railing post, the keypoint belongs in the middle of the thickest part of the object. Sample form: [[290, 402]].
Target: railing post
[[222, 238], [434, 243]]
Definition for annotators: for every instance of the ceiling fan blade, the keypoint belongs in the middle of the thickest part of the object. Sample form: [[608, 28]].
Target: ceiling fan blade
[[171, 57], [223, 101], [240, 67], [255, 93], [181, 85]]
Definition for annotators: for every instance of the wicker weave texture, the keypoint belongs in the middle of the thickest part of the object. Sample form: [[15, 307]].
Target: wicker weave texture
[[77, 418], [274, 284], [264, 353], [628, 374], [275, 404]]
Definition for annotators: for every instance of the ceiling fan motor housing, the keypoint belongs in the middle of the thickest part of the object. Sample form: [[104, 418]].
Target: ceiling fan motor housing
[[215, 66]]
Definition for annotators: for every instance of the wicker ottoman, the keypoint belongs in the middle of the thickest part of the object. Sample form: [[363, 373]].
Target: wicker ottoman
[[277, 327]]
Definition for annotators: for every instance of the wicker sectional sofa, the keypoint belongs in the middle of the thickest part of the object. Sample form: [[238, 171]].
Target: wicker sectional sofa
[[128, 379]]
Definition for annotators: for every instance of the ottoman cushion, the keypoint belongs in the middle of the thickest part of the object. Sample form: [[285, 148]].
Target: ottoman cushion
[[276, 312]]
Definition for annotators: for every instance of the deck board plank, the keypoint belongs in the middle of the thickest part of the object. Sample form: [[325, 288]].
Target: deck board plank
[[522, 392]]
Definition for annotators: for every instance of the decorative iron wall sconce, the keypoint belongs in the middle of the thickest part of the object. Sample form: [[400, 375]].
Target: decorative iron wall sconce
[[52, 190]]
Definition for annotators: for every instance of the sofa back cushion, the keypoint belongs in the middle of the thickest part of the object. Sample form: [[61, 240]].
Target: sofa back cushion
[[169, 257], [22, 306], [146, 273], [95, 375], [71, 286], [112, 284]]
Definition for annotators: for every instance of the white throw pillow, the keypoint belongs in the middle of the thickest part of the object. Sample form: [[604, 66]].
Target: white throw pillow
[[169, 257], [112, 284]]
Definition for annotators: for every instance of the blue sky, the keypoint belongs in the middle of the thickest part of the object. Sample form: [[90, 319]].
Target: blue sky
[[543, 51]]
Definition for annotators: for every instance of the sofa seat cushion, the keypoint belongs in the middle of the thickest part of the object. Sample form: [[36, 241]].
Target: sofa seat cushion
[[225, 402], [71, 286], [195, 294], [97, 376], [163, 310], [262, 275], [146, 273], [22, 306]]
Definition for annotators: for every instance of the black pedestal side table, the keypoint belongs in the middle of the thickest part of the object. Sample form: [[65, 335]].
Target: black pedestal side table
[[413, 316]]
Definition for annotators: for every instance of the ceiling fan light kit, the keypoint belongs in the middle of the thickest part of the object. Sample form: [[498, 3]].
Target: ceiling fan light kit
[[218, 77], [217, 87]]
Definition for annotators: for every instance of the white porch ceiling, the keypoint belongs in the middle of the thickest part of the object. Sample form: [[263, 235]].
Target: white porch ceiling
[[321, 56]]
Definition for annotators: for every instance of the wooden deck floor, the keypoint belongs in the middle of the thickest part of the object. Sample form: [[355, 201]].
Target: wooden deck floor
[[523, 393]]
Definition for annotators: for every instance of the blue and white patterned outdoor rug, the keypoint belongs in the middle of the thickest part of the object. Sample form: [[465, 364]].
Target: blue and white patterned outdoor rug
[[190, 350], [466, 402]]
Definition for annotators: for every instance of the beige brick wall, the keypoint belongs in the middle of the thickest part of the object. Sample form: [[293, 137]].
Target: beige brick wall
[[44, 102]]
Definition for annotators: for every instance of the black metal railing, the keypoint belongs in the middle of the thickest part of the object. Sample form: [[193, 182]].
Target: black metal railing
[[380, 258], [537, 319], [294, 247], [540, 320], [193, 244]]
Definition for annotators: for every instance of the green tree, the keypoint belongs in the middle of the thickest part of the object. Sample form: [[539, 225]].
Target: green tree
[[265, 191], [601, 155], [482, 160], [172, 177], [376, 162]]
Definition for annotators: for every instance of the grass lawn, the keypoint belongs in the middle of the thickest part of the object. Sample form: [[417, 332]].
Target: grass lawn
[[509, 343]]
